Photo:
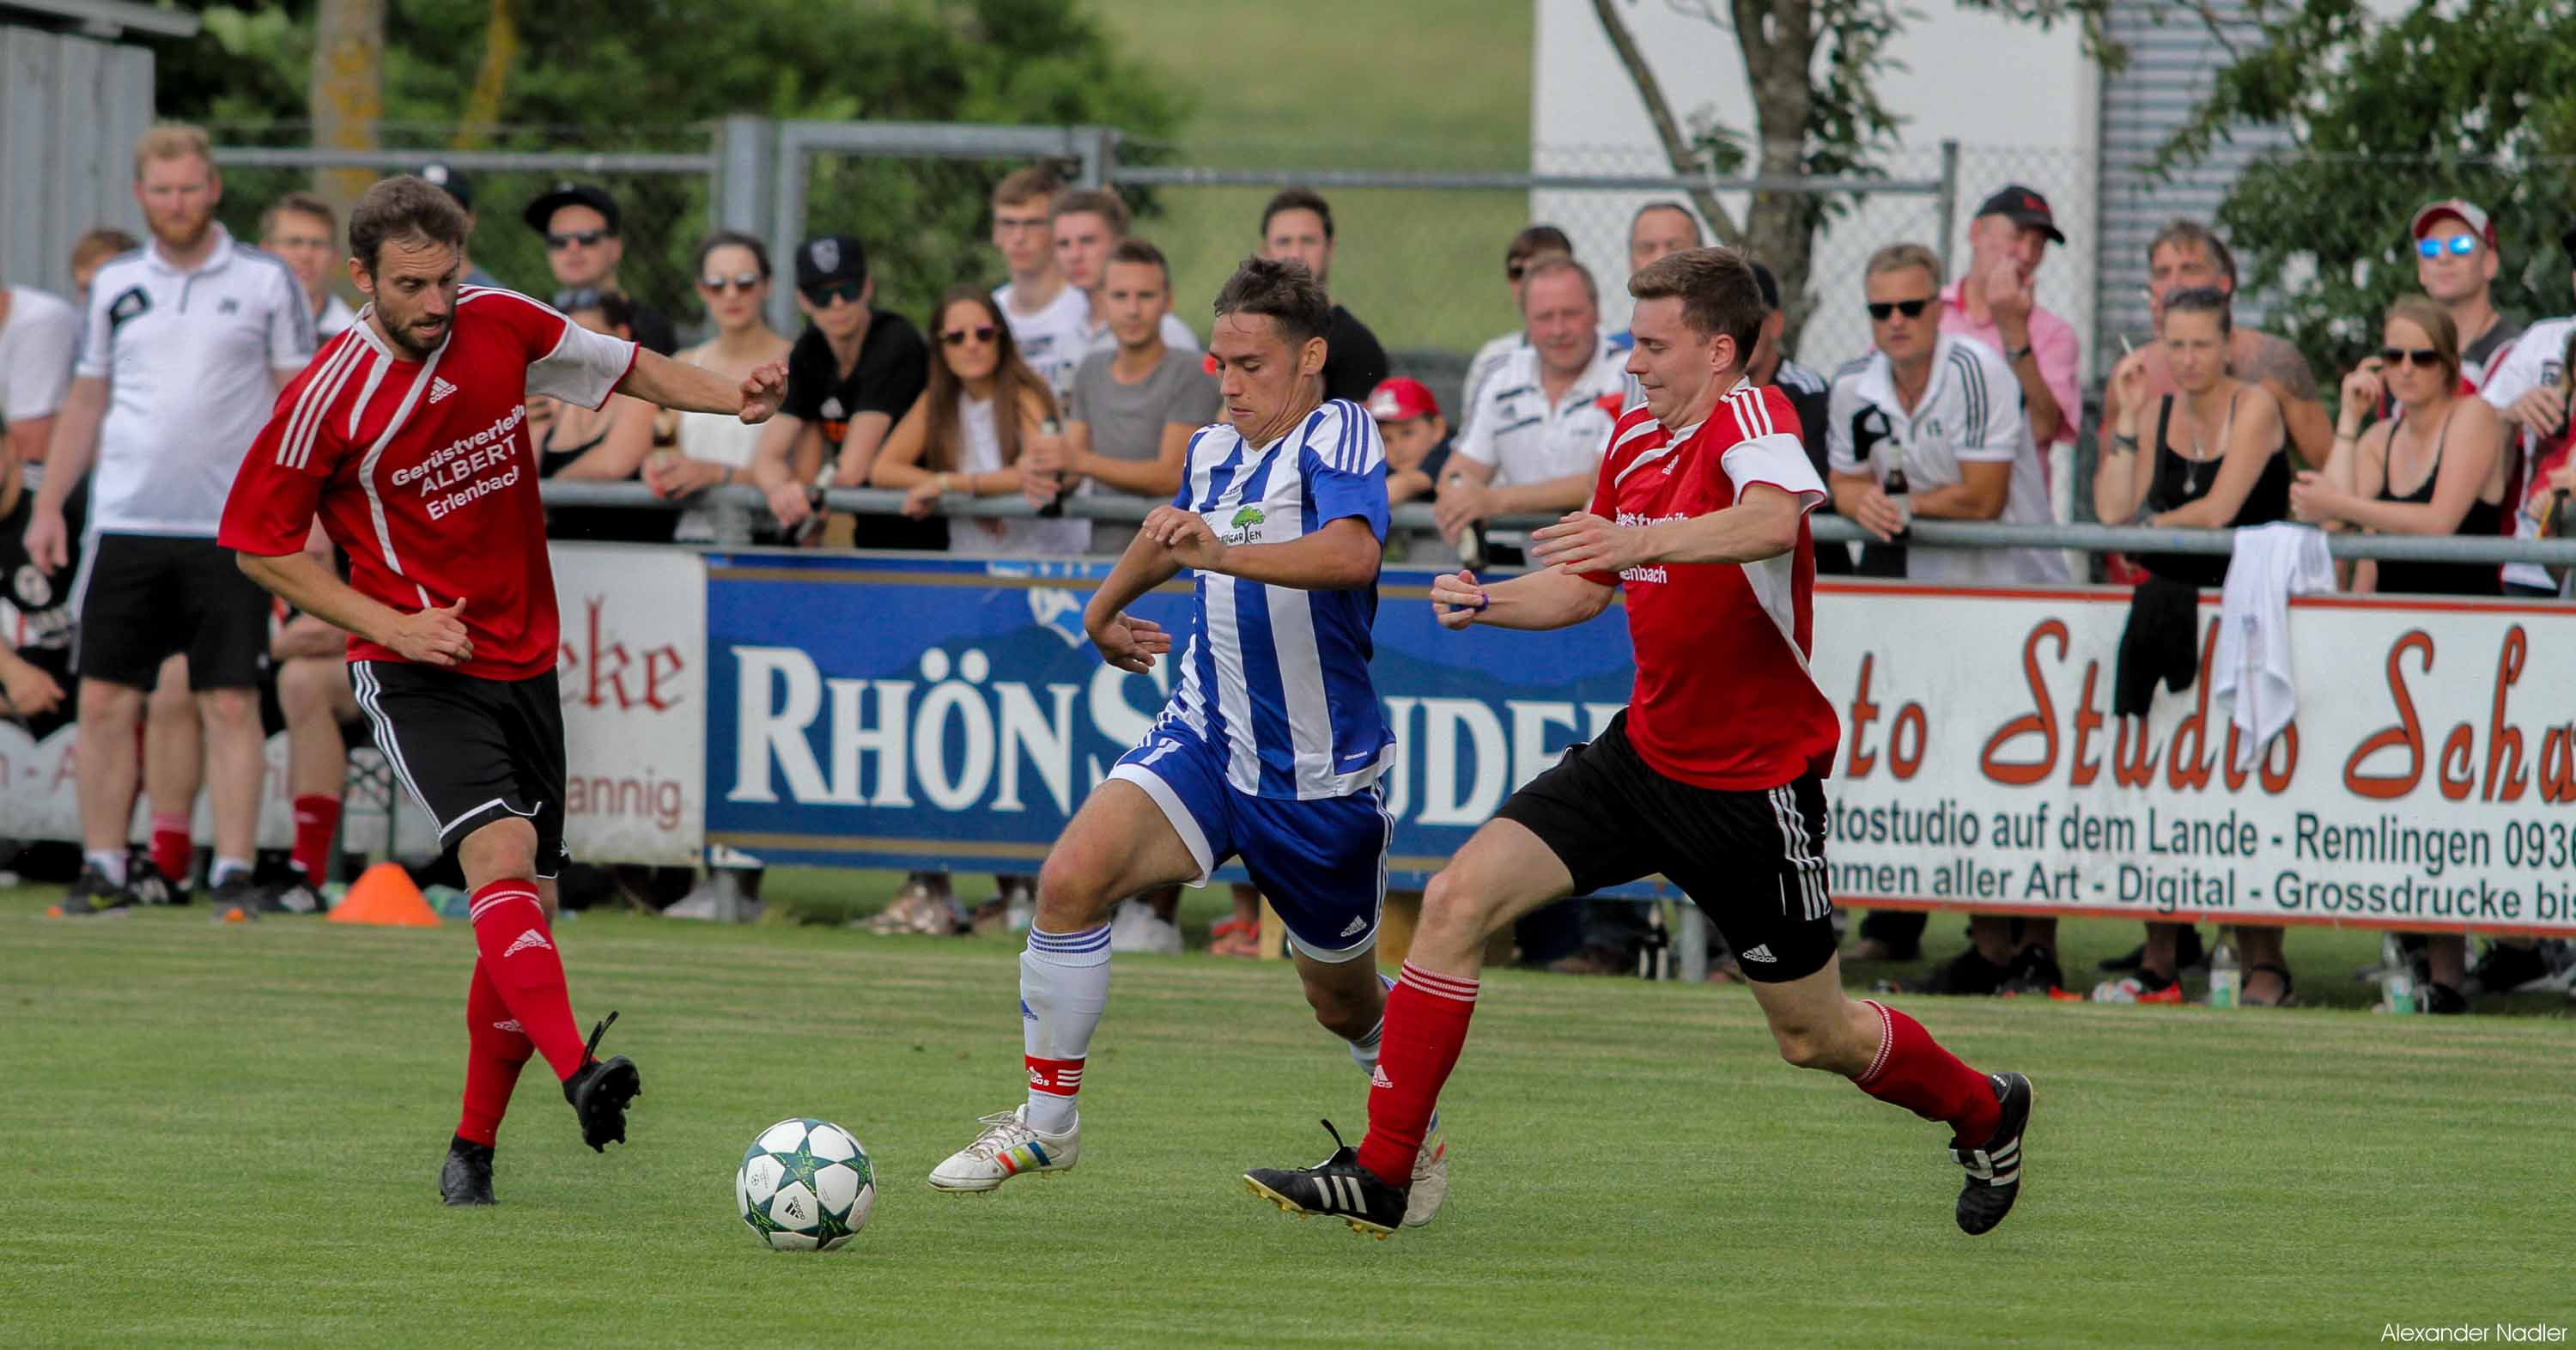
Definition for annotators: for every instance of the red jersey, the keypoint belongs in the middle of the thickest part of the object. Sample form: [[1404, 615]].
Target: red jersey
[[423, 474], [1723, 699]]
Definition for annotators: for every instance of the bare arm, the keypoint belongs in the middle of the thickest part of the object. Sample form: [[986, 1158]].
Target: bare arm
[[2284, 374], [1341, 556], [630, 439], [1763, 523], [1130, 644], [659, 380], [1156, 477], [2037, 399], [897, 463], [2467, 464], [75, 442], [1984, 486], [2121, 474], [306, 636], [1532, 602], [433, 636], [2250, 446]]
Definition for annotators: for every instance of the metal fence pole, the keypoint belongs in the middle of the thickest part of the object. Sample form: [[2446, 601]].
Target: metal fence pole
[[1948, 196], [787, 221], [1099, 155], [746, 148]]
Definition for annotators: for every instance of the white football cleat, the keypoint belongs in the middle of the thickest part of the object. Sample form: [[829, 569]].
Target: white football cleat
[[1007, 1148], [1430, 1183]]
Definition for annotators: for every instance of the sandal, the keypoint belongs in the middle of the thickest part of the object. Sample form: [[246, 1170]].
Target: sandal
[[2289, 996]]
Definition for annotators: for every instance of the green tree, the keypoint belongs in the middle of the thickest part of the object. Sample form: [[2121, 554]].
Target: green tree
[[2474, 100]]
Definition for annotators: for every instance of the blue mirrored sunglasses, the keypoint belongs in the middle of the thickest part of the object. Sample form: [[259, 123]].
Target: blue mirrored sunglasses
[[2458, 246]]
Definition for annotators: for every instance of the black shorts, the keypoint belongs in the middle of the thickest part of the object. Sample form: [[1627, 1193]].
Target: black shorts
[[147, 597], [471, 750], [1755, 861]]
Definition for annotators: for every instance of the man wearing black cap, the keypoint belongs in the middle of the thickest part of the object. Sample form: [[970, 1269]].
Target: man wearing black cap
[[1993, 303], [583, 246], [852, 374], [457, 186]]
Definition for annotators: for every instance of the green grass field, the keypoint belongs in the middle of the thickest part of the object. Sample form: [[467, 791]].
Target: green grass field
[[228, 1135]]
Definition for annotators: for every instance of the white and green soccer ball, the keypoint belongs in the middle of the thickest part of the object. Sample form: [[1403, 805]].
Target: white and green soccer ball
[[805, 1185]]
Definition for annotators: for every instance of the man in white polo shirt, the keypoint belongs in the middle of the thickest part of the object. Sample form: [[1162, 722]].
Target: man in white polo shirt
[[1535, 437], [183, 349]]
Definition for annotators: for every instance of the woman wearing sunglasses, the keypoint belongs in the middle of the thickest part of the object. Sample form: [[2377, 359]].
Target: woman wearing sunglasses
[[707, 450], [967, 431]]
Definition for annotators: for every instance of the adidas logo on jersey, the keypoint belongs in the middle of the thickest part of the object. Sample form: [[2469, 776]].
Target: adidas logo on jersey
[[1760, 953], [530, 938], [1378, 1078], [1358, 926], [511, 1025], [439, 388]]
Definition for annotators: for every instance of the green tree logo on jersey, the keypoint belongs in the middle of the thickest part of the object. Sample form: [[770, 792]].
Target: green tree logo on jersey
[[1248, 516]]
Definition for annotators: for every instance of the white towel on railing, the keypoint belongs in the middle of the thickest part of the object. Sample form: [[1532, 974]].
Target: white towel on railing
[[2251, 676]]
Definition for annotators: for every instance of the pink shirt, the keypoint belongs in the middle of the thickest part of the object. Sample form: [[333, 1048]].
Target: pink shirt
[[2052, 340]]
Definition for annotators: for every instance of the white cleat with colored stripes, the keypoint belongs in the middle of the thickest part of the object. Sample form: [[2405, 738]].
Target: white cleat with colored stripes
[[1007, 1148]]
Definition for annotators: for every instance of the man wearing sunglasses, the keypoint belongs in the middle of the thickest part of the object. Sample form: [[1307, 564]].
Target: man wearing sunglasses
[[583, 246], [853, 371], [2456, 264]]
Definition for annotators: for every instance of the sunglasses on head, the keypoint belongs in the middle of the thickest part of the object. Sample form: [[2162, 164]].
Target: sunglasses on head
[[1912, 309], [2423, 358], [585, 238], [1516, 269], [2458, 246], [823, 296], [744, 282], [956, 337]]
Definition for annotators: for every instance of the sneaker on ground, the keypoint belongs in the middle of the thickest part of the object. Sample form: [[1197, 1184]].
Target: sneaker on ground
[[144, 882], [2033, 971], [1967, 973], [1338, 1186], [2517, 968], [2143, 987], [1008, 1147], [1994, 1168], [599, 1091], [2442, 999], [1134, 927], [1019, 905], [93, 895], [466, 1177], [296, 896], [1430, 1182], [240, 893]]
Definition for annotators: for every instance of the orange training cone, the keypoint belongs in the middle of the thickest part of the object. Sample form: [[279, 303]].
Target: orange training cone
[[383, 894]]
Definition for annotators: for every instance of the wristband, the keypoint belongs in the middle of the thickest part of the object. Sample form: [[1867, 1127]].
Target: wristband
[[2015, 354], [1483, 603]]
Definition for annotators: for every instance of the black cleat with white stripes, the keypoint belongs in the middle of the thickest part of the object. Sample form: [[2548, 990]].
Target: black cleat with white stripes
[[1338, 1186], [1994, 1170]]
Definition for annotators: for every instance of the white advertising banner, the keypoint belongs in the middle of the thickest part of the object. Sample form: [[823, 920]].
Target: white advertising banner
[[2428, 780], [633, 677]]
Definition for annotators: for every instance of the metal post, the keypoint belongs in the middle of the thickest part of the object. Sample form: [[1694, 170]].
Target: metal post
[[741, 199], [1099, 146], [787, 222], [1948, 198], [1692, 961]]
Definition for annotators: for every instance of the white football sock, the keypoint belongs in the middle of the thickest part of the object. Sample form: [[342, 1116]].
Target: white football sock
[[1064, 987], [110, 862], [225, 869]]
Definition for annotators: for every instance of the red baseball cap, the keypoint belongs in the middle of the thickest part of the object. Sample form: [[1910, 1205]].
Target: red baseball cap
[[1402, 399], [2465, 212]]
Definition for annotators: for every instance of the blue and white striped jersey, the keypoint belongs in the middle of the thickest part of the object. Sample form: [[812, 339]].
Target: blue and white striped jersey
[[1276, 677]]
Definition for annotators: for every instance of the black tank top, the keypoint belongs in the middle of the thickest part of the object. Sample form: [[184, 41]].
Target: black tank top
[[2177, 482], [2484, 520]]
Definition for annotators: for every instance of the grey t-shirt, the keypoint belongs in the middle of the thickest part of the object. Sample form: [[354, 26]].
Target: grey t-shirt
[[1127, 420]]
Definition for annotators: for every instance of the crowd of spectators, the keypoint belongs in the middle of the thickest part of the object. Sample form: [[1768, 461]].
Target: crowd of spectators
[[1075, 375]]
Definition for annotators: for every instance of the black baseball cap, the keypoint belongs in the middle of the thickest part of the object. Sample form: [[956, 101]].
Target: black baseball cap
[[829, 260], [541, 212], [1769, 284], [457, 185], [2025, 207]]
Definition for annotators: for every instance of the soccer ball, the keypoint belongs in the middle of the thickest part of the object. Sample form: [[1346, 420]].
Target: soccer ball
[[805, 1185]]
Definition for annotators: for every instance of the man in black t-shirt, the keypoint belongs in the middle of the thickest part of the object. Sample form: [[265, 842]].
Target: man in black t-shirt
[[1297, 225], [584, 246], [853, 373]]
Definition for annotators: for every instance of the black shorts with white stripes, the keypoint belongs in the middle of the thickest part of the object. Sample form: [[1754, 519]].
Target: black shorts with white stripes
[[470, 750], [1755, 861]]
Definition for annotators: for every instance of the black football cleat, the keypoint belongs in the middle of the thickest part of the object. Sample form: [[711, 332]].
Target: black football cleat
[[1338, 1186], [1994, 1169], [600, 1090], [144, 882], [238, 895], [295, 896], [466, 1177], [94, 896]]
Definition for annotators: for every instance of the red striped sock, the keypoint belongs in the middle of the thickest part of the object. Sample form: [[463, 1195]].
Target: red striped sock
[[1913, 1071], [317, 818], [518, 949], [495, 1051], [172, 849], [1426, 1028]]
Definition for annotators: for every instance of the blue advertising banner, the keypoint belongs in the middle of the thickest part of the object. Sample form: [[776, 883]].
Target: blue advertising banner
[[934, 712]]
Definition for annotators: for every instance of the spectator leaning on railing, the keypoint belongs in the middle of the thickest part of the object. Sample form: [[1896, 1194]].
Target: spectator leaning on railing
[[1535, 442], [2211, 455], [712, 449], [580, 444], [1297, 225], [1416, 436], [850, 374], [584, 244], [1127, 428], [1525, 248], [2185, 255], [982, 409]]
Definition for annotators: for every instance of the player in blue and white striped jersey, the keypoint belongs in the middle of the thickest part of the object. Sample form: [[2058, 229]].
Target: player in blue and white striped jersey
[[1271, 747]]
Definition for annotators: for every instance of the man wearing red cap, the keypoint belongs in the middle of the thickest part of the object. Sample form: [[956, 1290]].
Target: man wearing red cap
[[2456, 264]]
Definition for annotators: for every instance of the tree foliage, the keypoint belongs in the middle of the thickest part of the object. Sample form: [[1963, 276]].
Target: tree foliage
[[2467, 98]]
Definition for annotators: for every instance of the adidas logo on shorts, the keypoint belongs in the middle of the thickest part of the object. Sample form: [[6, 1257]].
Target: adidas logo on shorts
[[532, 938], [439, 388], [1357, 927], [1758, 953]]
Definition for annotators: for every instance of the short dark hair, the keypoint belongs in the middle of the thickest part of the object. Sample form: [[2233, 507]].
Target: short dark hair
[[2204, 300], [1138, 251], [1282, 289], [1534, 240], [1099, 202], [301, 204], [1300, 199], [2186, 232], [403, 207], [1716, 287], [732, 239]]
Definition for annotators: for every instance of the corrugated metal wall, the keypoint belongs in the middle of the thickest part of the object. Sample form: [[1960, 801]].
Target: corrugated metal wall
[[71, 109], [2169, 72]]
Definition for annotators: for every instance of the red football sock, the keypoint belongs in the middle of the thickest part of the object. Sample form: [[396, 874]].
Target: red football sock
[[495, 1051], [519, 950], [1913, 1071], [1426, 1027], [317, 817], [172, 849]]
